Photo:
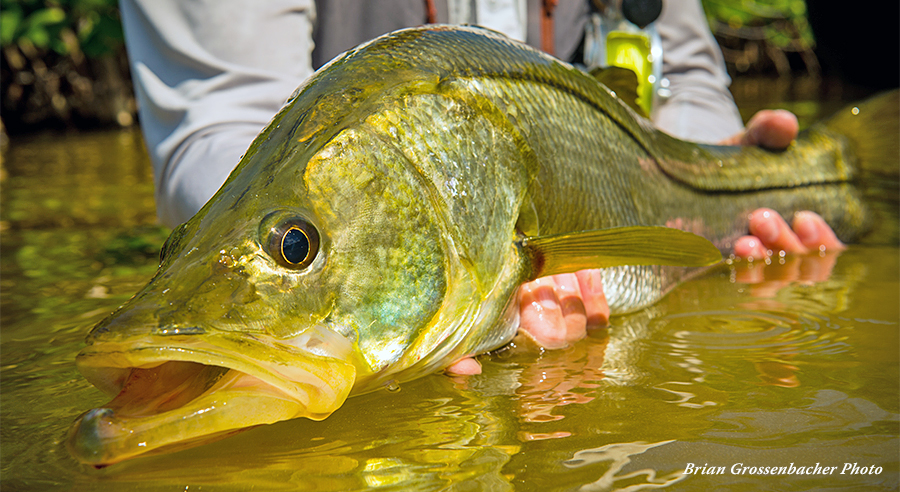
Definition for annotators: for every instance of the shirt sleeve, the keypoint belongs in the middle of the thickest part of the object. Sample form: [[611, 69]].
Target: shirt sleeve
[[208, 76], [700, 108]]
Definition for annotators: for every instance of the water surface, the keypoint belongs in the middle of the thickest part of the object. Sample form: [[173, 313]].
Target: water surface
[[795, 362]]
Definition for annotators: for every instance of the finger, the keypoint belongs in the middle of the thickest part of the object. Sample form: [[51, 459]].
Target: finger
[[569, 294], [751, 248], [772, 129], [467, 366], [596, 309], [774, 232], [814, 233], [540, 316]]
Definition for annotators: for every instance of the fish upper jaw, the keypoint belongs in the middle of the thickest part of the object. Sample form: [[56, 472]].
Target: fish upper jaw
[[183, 390]]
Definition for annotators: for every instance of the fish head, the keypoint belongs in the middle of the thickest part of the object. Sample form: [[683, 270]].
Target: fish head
[[304, 275], [325, 264]]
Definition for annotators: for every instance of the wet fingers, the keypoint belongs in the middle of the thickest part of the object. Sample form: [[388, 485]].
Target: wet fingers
[[774, 233], [572, 306], [596, 309], [750, 247], [552, 310], [540, 315], [466, 366], [814, 233]]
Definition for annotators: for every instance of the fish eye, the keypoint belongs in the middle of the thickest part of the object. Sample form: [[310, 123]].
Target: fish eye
[[293, 243]]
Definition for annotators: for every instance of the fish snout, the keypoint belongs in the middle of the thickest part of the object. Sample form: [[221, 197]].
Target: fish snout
[[174, 392], [85, 441]]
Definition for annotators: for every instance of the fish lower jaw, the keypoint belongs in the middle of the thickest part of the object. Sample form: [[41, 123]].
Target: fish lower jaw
[[174, 406]]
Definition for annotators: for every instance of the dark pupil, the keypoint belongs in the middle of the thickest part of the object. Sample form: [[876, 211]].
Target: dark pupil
[[295, 246]]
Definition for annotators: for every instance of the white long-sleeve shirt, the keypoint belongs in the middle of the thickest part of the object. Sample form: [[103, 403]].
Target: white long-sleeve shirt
[[210, 74]]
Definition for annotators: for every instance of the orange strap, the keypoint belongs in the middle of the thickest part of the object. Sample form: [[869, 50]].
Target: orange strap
[[547, 7], [430, 12]]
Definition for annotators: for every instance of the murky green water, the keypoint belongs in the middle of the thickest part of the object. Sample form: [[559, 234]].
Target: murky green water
[[764, 365]]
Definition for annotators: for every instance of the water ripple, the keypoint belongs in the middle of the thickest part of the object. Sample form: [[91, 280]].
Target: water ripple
[[754, 332]]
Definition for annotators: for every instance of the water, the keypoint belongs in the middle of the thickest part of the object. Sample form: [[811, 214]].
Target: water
[[752, 365]]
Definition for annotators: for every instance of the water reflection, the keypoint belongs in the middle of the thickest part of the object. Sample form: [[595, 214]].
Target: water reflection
[[619, 455], [560, 377], [401, 441]]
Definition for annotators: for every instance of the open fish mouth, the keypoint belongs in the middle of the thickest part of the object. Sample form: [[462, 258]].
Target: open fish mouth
[[170, 396]]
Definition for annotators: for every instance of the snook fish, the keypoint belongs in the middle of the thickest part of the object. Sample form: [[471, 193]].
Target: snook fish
[[378, 228]]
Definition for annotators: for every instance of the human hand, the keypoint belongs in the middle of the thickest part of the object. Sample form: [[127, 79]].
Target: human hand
[[770, 233], [554, 311], [776, 129]]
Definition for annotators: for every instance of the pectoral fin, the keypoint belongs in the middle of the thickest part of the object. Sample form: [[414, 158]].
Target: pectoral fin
[[604, 248]]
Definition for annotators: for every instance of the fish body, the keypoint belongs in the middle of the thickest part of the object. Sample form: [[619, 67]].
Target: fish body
[[378, 228]]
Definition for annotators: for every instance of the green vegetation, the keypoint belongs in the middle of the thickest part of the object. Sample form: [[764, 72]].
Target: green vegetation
[[63, 64], [762, 35], [70, 27]]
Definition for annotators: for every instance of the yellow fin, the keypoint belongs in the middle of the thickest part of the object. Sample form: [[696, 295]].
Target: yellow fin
[[604, 248]]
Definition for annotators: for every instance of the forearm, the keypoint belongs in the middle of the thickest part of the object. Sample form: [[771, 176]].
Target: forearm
[[701, 107], [208, 77]]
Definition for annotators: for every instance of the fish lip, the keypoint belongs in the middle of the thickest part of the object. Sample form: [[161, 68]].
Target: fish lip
[[316, 384], [100, 437], [97, 361]]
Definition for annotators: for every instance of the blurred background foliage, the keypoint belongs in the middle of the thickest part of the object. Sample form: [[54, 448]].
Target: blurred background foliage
[[71, 27], [64, 63], [763, 36]]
